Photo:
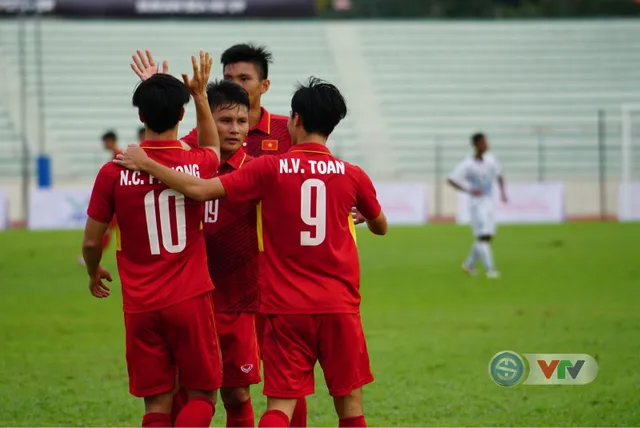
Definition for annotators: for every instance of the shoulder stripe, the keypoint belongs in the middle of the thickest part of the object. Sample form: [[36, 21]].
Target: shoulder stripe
[[242, 162], [310, 151], [162, 148]]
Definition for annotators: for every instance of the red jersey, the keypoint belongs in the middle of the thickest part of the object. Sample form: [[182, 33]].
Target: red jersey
[[161, 250], [309, 260], [232, 247], [269, 137]]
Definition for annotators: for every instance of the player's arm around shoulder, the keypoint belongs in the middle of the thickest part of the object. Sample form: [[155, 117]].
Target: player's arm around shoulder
[[190, 185], [250, 182], [206, 160], [368, 205], [209, 186]]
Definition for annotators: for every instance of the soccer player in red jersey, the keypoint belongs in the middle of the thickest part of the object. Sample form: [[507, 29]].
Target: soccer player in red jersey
[[248, 66], [232, 251], [309, 271], [168, 306]]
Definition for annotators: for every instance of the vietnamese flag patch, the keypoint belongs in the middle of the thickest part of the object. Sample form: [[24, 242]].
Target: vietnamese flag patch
[[269, 145]]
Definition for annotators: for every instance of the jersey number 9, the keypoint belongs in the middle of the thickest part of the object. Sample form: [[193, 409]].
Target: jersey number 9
[[319, 220]]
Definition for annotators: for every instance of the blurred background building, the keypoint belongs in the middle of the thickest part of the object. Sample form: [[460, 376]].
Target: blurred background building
[[549, 82]]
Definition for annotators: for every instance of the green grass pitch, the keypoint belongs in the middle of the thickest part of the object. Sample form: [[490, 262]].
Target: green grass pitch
[[431, 331]]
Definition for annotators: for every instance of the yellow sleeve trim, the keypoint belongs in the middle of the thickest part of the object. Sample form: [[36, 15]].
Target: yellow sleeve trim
[[118, 241], [352, 229], [259, 226]]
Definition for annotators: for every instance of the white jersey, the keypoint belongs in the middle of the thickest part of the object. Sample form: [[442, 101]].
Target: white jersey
[[477, 174]]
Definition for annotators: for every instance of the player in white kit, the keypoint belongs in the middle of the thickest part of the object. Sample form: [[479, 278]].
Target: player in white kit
[[476, 175]]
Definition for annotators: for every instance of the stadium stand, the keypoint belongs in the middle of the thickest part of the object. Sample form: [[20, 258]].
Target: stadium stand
[[88, 83], [9, 147], [412, 85], [517, 81]]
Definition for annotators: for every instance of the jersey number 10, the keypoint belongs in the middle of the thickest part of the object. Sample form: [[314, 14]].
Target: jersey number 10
[[150, 209]]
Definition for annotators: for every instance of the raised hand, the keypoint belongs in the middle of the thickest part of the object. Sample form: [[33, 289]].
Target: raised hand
[[144, 66], [198, 83]]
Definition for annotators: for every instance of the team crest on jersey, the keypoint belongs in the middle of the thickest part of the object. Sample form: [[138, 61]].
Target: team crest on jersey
[[269, 145], [247, 368]]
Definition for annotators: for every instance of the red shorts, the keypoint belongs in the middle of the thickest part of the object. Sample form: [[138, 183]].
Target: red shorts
[[239, 346], [293, 344], [180, 338]]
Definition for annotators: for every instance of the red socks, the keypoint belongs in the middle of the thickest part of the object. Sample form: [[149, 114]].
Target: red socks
[[180, 399], [157, 420], [299, 417], [240, 415], [355, 422], [198, 412], [274, 419]]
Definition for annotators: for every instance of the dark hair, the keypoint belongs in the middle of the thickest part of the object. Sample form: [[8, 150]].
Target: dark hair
[[160, 100], [226, 94], [477, 137], [320, 106], [141, 130], [248, 52], [109, 135]]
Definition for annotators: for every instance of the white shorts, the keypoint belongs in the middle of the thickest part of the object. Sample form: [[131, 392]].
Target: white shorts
[[482, 218]]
